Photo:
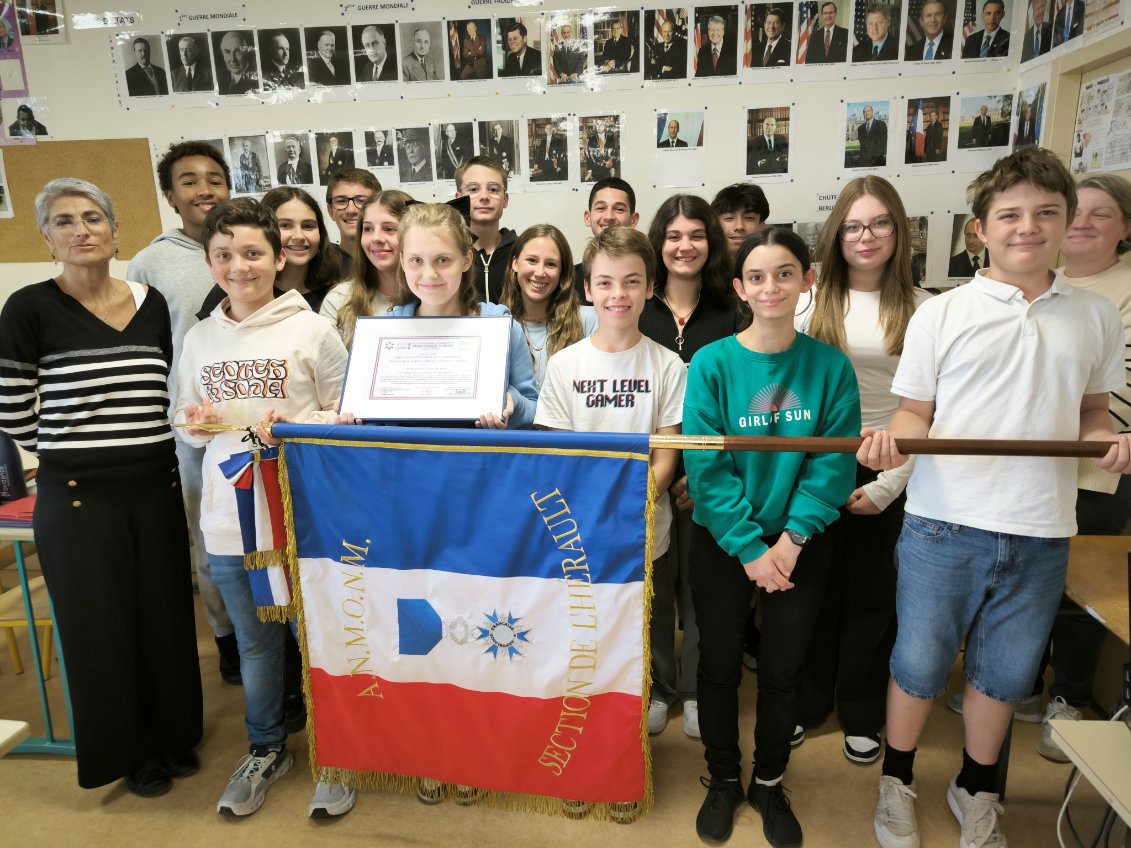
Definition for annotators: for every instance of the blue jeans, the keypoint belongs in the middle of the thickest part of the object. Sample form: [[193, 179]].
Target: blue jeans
[[261, 653], [998, 591]]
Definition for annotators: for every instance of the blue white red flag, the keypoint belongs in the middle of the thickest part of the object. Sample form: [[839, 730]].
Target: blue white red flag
[[474, 609]]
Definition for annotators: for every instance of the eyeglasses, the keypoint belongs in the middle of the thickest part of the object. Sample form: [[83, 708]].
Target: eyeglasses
[[342, 202], [91, 221], [879, 228]]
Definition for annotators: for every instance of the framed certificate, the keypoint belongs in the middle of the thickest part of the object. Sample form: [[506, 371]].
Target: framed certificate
[[412, 369]]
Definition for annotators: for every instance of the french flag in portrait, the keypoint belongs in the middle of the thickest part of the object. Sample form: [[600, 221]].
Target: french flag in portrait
[[473, 608]]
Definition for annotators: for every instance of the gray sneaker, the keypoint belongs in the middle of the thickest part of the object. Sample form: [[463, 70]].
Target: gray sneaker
[[331, 799], [895, 822], [1058, 709], [248, 785], [978, 815], [1028, 710]]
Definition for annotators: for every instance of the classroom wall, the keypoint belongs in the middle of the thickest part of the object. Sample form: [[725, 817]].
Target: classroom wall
[[78, 80]]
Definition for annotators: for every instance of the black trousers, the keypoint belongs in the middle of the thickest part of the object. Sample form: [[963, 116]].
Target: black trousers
[[721, 592], [847, 664], [113, 546]]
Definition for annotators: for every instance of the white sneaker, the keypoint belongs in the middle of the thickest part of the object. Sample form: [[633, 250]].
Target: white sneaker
[[978, 816], [657, 717], [691, 718], [248, 785], [798, 736], [331, 799], [1046, 747], [895, 822]]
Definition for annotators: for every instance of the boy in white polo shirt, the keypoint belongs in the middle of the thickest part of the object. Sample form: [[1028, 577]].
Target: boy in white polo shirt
[[1016, 354]]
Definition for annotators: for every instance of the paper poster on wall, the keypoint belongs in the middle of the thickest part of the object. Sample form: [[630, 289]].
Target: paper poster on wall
[[1030, 116], [326, 53], [616, 50], [280, 52], [875, 36], [42, 21], [986, 42], [5, 193], [822, 34], [1102, 135], [237, 72], [291, 158], [379, 145], [680, 158], [1068, 20], [27, 117], [567, 50], [967, 252], [333, 151], [768, 133], [499, 139], [929, 38], [927, 140], [9, 118], [666, 33], [810, 232], [1100, 16], [414, 156], [422, 66], [714, 44], [191, 83], [518, 54], [470, 58], [1037, 38], [247, 155], [141, 73], [918, 226], [768, 39], [454, 145], [984, 122], [866, 138], [549, 149], [13, 74], [600, 142]]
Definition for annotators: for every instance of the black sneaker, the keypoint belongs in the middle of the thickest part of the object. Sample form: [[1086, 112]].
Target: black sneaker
[[229, 659], [149, 780], [779, 824], [181, 764], [716, 817], [862, 749]]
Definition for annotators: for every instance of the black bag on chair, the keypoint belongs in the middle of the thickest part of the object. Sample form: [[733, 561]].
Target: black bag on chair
[[12, 483]]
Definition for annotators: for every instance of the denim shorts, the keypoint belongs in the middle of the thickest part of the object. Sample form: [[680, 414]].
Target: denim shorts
[[998, 591]]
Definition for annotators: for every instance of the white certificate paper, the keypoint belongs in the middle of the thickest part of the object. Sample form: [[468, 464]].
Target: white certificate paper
[[415, 369]]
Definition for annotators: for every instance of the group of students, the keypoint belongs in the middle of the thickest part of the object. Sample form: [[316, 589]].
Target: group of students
[[715, 319]]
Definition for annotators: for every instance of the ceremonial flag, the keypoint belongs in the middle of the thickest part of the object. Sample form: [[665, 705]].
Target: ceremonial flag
[[915, 135], [473, 610], [806, 14]]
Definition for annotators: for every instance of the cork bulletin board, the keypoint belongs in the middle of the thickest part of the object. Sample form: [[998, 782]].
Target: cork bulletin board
[[122, 167]]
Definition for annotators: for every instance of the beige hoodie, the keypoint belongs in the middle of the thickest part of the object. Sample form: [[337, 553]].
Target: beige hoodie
[[282, 357]]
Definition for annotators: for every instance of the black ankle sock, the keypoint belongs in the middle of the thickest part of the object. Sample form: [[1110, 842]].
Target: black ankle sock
[[899, 764], [975, 777]]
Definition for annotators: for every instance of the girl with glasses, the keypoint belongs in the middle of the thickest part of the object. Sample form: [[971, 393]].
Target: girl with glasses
[[865, 299]]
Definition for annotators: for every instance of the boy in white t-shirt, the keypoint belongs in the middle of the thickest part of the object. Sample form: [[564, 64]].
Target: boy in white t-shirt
[[618, 380], [1015, 354]]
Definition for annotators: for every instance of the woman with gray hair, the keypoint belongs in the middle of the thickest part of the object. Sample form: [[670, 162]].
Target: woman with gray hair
[[84, 360]]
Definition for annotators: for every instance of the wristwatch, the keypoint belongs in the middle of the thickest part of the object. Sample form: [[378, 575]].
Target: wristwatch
[[797, 538]]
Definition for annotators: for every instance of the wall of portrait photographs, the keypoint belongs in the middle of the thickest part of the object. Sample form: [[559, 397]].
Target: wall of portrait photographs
[[797, 96]]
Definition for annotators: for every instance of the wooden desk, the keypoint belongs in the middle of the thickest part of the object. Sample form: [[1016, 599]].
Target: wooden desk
[[1097, 580], [1102, 752]]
